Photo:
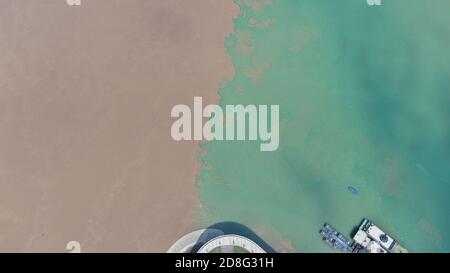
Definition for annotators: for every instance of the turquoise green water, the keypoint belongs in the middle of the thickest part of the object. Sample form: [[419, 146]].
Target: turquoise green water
[[364, 95]]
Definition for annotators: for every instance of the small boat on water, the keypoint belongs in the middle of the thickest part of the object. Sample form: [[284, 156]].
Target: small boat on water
[[353, 190]]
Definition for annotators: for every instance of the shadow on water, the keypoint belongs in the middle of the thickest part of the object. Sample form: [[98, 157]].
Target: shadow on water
[[237, 229], [354, 231]]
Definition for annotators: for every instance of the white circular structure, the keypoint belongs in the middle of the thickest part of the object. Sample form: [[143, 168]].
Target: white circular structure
[[231, 243], [188, 241]]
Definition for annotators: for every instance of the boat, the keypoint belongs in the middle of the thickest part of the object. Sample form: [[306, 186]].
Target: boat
[[334, 239], [353, 190], [369, 232]]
